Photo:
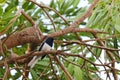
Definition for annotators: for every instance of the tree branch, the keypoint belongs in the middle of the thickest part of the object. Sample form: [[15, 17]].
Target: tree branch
[[54, 52], [69, 77], [28, 18], [29, 35]]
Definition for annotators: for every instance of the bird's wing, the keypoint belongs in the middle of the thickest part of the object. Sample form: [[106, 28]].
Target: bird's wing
[[39, 49]]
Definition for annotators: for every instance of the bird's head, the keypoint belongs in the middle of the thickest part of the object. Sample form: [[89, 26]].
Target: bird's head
[[49, 41]]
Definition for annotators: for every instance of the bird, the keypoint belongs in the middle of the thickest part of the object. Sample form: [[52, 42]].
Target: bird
[[45, 46]]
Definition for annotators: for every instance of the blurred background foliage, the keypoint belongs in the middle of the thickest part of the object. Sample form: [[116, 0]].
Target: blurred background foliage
[[105, 17]]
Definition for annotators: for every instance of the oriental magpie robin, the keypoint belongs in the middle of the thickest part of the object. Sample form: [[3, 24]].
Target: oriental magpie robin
[[45, 46]]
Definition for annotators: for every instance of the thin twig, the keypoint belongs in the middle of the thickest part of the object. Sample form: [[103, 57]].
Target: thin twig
[[71, 62], [87, 14], [42, 6], [45, 13], [54, 52], [28, 18], [95, 46], [5, 63], [110, 55], [99, 61], [38, 31], [43, 71], [69, 77], [53, 68], [50, 19]]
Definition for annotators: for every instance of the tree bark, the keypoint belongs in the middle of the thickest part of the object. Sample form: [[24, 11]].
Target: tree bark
[[27, 35]]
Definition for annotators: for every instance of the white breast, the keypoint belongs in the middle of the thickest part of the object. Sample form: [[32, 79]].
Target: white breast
[[46, 47]]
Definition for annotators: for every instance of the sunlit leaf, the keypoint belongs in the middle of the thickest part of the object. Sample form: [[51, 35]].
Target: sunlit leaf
[[70, 68], [1, 11], [117, 25], [9, 14], [34, 75], [2, 1], [78, 73], [75, 3]]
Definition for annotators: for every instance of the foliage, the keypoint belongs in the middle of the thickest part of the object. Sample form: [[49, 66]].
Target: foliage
[[105, 17]]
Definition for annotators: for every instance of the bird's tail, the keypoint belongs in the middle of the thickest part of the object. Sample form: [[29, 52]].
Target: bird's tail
[[43, 57], [33, 61]]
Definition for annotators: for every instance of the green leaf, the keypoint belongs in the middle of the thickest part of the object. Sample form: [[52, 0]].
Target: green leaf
[[62, 4], [25, 5], [117, 24], [75, 3], [75, 49], [34, 75], [98, 52], [69, 11], [9, 14], [1, 11], [2, 1], [93, 68], [20, 50], [91, 19], [17, 75], [31, 6], [70, 68], [2, 27], [78, 73], [2, 72], [66, 4], [115, 43], [99, 17], [92, 59], [90, 1], [16, 2], [53, 4], [96, 18], [76, 12], [43, 62]]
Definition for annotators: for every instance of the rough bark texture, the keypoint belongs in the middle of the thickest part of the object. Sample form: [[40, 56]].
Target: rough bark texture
[[27, 35], [30, 35]]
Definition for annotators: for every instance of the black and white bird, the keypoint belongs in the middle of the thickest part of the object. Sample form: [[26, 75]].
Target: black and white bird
[[45, 46]]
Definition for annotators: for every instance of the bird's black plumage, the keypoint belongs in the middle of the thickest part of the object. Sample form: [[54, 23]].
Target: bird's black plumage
[[45, 46], [49, 42]]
